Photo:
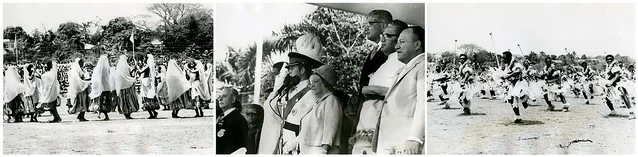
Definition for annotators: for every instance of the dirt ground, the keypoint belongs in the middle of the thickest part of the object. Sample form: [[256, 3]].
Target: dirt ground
[[164, 135], [490, 129]]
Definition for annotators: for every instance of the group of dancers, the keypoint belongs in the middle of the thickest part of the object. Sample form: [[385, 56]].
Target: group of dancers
[[518, 83], [107, 88]]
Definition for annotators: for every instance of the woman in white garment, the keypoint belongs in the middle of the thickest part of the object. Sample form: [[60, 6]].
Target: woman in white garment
[[31, 93], [162, 90], [380, 82], [199, 89], [208, 74], [148, 87], [50, 91], [78, 90], [13, 93], [102, 87], [177, 87], [319, 128], [124, 86]]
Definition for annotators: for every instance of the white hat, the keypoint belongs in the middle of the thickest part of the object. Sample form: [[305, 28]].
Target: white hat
[[309, 46]]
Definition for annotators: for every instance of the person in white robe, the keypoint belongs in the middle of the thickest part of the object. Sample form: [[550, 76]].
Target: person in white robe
[[14, 94], [177, 87], [78, 90], [125, 89], [102, 87], [50, 91]]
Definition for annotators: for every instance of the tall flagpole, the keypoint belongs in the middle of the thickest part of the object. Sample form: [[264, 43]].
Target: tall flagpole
[[15, 47], [133, 41]]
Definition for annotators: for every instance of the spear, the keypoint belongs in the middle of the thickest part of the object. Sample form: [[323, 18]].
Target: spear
[[494, 48], [519, 48], [454, 56]]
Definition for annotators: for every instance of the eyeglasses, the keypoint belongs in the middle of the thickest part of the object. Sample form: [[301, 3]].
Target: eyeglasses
[[373, 22], [388, 35]]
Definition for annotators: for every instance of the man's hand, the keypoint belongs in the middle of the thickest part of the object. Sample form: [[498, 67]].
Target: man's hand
[[412, 147], [325, 148]]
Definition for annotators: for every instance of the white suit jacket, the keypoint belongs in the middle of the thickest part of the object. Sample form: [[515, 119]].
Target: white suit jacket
[[403, 115], [272, 121]]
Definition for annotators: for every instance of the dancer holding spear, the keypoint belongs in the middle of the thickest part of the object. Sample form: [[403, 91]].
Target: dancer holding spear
[[552, 79]]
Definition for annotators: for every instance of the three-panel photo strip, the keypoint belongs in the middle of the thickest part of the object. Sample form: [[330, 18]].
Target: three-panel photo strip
[[319, 78]]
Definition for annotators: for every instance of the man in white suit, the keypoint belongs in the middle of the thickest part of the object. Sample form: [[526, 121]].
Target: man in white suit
[[401, 128]]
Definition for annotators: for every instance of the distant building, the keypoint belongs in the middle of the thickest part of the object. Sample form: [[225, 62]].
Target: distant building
[[8, 45]]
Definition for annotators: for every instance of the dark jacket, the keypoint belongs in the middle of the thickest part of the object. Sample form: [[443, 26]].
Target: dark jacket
[[234, 135], [370, 66], [253, 140]]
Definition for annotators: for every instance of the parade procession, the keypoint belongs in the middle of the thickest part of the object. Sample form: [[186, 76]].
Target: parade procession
[[355, 78], [115, 77], [500, 88]]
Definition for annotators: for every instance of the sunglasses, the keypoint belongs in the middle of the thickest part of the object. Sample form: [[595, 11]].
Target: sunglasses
[[373, 22], [388, 35]]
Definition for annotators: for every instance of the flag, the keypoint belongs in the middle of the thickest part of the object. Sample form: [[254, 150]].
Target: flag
[[131, 38]]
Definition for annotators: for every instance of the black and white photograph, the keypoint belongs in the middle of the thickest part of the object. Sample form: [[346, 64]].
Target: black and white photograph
[[531, 78], [320, 78], [108, 78]]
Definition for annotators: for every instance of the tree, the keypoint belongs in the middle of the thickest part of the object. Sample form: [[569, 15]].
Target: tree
[[470, 48], [12, 32], [172, 13], [239, 68], [187, 28], [342, 36], [116, 34], [533, 57]]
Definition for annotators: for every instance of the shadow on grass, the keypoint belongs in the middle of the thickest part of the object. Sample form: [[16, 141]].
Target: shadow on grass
[[525, 122], [449, 108], [616, 116], [472, 114]]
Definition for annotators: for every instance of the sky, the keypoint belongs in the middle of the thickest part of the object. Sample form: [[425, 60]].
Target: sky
[[245, 24], [33, 16], [590, 29]]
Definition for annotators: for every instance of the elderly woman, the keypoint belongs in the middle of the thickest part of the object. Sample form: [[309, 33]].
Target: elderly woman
[[148, 87], [321, 120], [127, 98], [78, 90], [318, 117], [102, 87], [177, 86], [13, 94]]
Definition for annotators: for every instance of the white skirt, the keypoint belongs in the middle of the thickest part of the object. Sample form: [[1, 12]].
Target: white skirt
[[148, 89], [195, 90]]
